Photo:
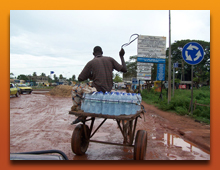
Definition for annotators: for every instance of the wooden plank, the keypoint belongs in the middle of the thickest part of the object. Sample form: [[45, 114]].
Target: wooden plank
[[120, 117]]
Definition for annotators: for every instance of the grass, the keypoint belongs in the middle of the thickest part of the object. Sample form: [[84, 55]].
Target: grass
[[180, 102]]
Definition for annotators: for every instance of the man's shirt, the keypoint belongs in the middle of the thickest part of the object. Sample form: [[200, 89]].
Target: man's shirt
[[100, 71]]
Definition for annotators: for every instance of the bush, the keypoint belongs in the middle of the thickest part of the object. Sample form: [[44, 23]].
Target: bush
[[181, 110], [180, 103]]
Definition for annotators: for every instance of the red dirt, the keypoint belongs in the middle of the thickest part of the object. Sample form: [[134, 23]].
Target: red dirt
[[186, 127], [42, 122]]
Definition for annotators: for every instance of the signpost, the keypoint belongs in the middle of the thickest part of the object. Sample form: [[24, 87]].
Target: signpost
[[192, 54], [151, 49]]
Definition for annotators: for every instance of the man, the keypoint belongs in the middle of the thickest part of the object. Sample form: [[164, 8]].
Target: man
[[100, 70]]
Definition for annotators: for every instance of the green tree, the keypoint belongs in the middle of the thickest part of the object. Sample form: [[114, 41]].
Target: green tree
[[22, 77], [60, 76], [43, 74], [117, 78], [55, 78], [49, 79], [131, 67], [201, 71], [73, 77], [34, 74]]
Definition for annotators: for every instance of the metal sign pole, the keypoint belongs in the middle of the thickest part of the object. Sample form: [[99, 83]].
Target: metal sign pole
[[169, 63], [173, 80], [192, 90]]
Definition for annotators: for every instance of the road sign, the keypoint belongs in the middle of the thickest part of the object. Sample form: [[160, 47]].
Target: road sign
[[161, 72], [144, 78], [151, 60], [152, 46], [175, 65], [151, 49], [134, 81], [143, 74], [193, 53]]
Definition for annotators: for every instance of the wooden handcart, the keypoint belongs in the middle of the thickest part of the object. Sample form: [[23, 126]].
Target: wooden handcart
[[83, 133]]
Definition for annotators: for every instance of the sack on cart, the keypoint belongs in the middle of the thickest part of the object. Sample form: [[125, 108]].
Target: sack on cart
[[77, 93]]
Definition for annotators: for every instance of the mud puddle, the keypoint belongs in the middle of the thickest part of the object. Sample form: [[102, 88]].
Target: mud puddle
[[172, 141]]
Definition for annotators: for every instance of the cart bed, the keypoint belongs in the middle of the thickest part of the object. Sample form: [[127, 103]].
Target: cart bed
[[119, 117]]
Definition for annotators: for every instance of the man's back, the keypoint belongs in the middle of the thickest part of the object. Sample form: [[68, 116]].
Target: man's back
[[100, 71]]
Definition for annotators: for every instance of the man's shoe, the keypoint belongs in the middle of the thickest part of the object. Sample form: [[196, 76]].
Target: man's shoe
[[79, 119]]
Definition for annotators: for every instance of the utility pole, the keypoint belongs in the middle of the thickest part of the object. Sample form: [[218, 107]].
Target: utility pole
[[169, 62], [173, 79]]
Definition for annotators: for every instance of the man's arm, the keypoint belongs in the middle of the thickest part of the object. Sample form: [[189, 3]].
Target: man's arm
[[121, 54], [85, 74]]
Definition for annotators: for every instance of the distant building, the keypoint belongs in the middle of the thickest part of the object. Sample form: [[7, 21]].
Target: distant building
[[16, 81], [39, 79]]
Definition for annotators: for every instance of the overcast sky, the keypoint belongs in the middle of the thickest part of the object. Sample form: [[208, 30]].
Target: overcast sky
[[63, 40]]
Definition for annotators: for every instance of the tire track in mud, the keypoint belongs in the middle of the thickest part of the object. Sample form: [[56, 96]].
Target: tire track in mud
[[39, 122], [154, 147], [55, 122]]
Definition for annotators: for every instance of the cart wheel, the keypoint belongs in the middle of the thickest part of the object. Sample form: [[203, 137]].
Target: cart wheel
[[79, 143], [140, 145]]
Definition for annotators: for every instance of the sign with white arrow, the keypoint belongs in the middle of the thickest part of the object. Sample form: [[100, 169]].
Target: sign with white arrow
[[193, 53]]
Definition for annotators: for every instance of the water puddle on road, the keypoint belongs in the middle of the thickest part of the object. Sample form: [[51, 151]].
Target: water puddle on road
[[175, 144]]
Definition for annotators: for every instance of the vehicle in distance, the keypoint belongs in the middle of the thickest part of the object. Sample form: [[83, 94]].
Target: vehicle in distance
[[24, 88], [14, 90]]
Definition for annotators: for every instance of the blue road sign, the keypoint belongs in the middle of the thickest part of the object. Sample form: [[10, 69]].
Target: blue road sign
[[151, 60], [134, 81], [193, 53], [175, 65], [161, 72]]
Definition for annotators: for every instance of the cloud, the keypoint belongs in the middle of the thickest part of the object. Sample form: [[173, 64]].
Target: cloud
[[43, 64], [63, 38]]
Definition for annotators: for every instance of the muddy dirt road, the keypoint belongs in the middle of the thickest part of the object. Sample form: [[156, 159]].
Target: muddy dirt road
[[42, 122]]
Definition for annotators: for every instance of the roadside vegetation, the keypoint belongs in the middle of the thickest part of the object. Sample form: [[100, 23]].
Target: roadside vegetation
[[180, 103], [42, 87]]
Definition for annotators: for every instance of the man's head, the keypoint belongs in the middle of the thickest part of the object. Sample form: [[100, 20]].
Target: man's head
[[97, 51]]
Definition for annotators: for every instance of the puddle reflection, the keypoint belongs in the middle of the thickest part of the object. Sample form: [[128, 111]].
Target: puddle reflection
[[175, 142]]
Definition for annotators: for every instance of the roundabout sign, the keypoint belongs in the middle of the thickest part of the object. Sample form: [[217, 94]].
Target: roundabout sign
[[193, 53]]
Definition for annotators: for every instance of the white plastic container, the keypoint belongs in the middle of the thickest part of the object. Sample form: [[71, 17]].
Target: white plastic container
[[105, 104], [99, 98], [118, 104]]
